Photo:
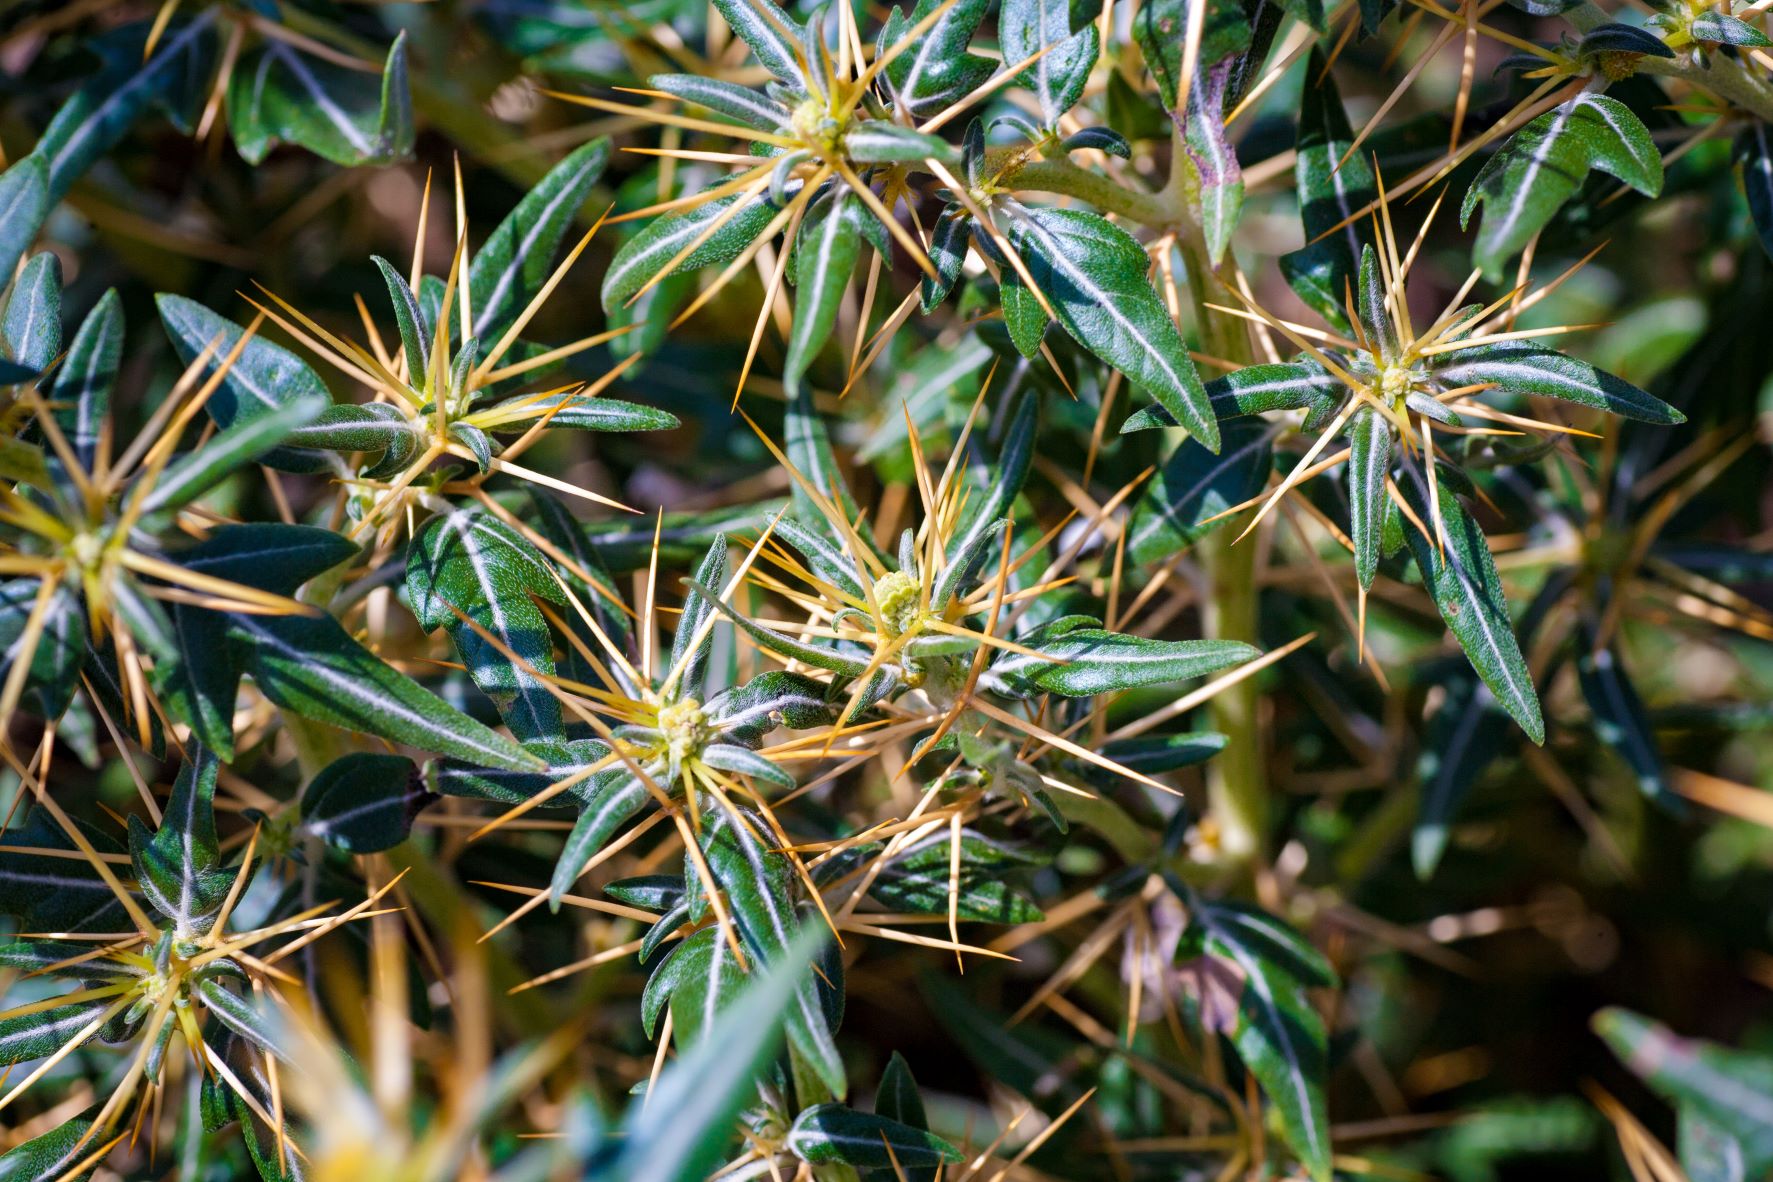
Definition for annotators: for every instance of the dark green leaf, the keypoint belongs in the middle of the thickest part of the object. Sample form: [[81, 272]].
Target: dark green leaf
[[1089, 661], [1173, 511], [24, 203], [88, 374], [827, 1133], [1093, 274], [278, 94], [510, 268], [364, 802], [1468, 592], [31, 326], [1528, 368], [1024, 28], [1544, 163]]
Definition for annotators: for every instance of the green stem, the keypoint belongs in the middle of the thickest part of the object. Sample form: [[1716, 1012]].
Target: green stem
[[1724, 77], [1152, 210], [1237, 789]]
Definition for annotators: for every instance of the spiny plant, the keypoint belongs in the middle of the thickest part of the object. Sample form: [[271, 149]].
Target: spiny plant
[[816, 648]]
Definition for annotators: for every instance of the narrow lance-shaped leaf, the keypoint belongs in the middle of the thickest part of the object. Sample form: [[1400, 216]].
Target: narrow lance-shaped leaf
[[1176, 509], [680, 1132], [511, 266], [1754, 151], [265, 375], [312, 666], [1468, 591], [198, 471], [648, 252], [1331, 190], [1213, 156], [1460, 742], [1025, 27], [31, 326], [1278, 1034], [88, 374], [278, 94], [1543, 165], [54, 1154], [1093, 274], [833, 1133], [1369, 467], [937, 70], [726, 98], [693, 679], [1730, 1090], [612, 802], [825, 252], [364, 802], [24, 203], [1527, 368], [1090, 661], [769, 32], [472, 562]]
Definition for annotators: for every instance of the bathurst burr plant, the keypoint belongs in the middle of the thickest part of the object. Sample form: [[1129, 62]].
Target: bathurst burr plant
[[988, 591]]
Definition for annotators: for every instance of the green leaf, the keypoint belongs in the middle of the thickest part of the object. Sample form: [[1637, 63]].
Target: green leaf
[[24, 203], [511, 267], [1001, 478], [1160, 28], [1090, 661], [1543, 165], [746, 714], [52, 1155], [409, 319], [176, 864], [725, 98], [1025, 27], [876, 141], [692, 667], [759, 885], [1719, 28], [364, 802], [919, 879], [98, 115], [34, 1036], [1729, 1090], [1463, 738], [243, 1017], [681, 1132], [271, 556], [1022, 314], [1217, 174], [948, 252], [88, 374], [579, 412], [827, 1133], [277, 94], [1617, 37], [1468, 592], [897, 1098], [1093, 274], [1277, 1033], [557, 761], [312, 666], [1329, 197], [937, 70], [198, 471], [264, 377], [476, 564], [698, 979], [1173, 511], [54, 675], [770, 33], [50, 893], [1524, 367], [787, 646], [647, 253], [1369, 467], [1620, 720], [31, 326], [613, 801], [825, 253], [1754, 151]]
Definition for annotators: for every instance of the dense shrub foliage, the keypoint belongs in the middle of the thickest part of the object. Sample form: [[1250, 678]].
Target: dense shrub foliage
[[992, 591]]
